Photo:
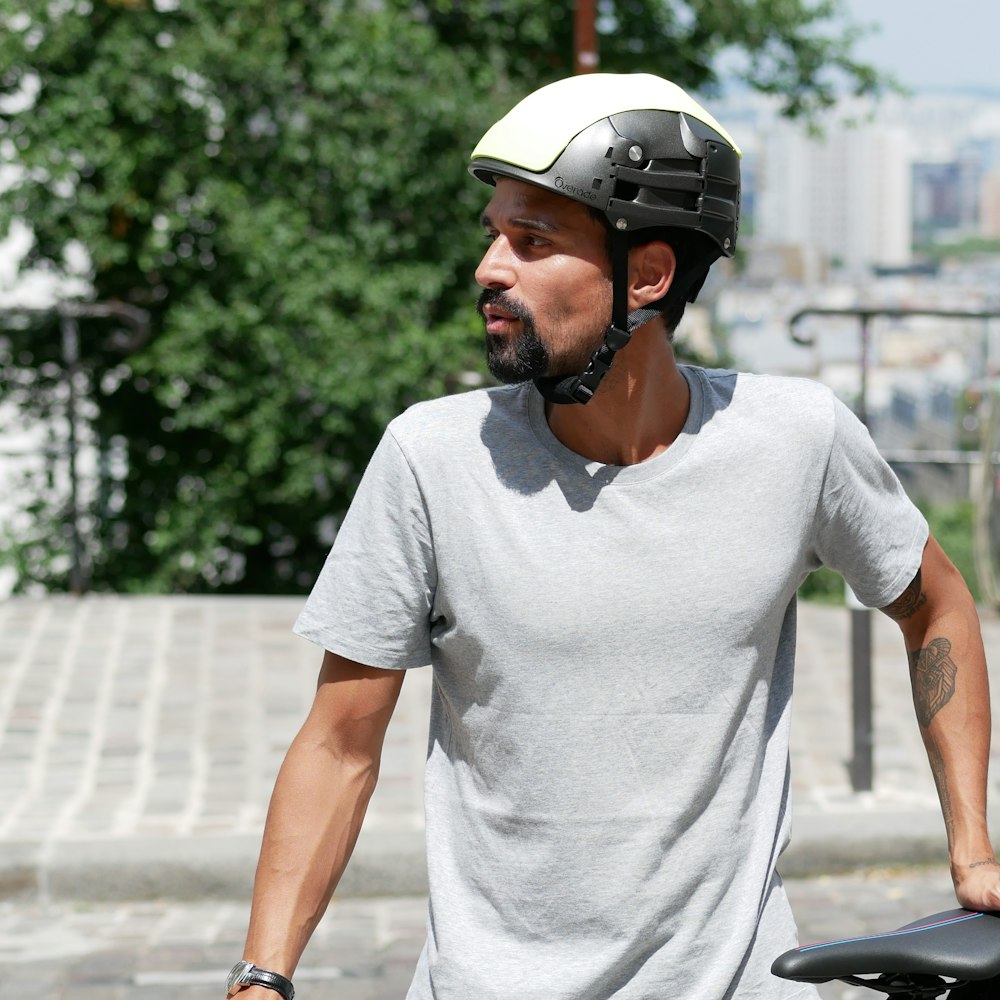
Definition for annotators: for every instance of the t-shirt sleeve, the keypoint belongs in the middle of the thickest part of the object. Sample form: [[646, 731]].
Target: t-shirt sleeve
[[373, 598], [867, 529]]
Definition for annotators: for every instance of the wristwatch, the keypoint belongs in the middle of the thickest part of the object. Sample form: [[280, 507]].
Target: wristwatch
[[246, 973]]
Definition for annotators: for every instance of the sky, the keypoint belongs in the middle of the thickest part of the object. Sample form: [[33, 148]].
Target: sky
[[944, 44]]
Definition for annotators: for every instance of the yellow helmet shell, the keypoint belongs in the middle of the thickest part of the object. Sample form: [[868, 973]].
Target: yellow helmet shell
[[536, 130]]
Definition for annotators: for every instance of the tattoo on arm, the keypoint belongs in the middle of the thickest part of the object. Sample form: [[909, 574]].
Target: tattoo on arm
[[909, 602], [944, 797], [932, 675], [986, 862]]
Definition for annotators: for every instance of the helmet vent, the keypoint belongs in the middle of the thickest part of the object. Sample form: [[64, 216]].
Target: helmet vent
[[626, 192]]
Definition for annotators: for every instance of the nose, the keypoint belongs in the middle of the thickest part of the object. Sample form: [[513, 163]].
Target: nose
[[496, 269]]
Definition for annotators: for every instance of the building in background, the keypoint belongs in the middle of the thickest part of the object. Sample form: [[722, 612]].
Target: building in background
[[946, 200], [989, 201], [844, 194], [838, 221]]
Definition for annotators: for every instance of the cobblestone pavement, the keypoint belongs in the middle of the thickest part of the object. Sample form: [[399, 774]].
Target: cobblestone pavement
[[140, 737], [363, 950]]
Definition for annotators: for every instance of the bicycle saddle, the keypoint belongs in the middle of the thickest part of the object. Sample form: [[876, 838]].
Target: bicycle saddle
[[959, 944]]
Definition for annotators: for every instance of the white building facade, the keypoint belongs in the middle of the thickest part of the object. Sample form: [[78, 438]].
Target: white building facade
[[845, 194]]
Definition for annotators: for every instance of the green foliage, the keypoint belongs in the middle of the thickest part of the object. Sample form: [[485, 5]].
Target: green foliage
[[953, 525], [296, 224], [969, 248], [824, 586], [798, 51], [282, 187]]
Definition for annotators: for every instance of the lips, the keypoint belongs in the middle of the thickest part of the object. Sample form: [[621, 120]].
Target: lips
[[503, 315], [498, 320]]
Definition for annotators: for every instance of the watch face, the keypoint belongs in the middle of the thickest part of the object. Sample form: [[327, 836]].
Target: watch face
[[237, 973]]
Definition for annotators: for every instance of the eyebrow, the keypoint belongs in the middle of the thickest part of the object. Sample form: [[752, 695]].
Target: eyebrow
[[539, 225]]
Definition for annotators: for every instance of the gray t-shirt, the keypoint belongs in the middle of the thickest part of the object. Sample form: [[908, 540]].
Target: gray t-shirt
[[607, 774]]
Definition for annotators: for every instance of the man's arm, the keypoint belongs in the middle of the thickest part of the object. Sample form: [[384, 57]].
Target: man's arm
[[316, 810], [944, 645]]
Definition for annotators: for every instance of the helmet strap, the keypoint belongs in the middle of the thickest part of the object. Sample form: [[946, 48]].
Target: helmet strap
[[581, 388]]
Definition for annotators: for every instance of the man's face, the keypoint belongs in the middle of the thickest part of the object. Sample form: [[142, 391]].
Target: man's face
[[547, 283]]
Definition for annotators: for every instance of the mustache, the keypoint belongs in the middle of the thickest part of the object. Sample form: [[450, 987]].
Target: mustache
[[499, 298]]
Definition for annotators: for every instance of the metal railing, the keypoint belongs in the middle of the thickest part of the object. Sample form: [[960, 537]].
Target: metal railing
[[69, 313]]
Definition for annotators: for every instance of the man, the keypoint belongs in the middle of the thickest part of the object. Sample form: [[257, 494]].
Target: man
[[606, 592]]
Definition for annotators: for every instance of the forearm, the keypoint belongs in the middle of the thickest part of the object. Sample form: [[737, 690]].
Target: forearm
[[317, 808], [951, 695], [315, 816], [951, 698]]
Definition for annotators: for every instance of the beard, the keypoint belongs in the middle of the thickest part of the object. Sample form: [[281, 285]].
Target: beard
[[520, 359], [514, 359]]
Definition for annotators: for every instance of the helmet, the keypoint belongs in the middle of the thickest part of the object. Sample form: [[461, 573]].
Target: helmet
[[635, 147], [642, 153]]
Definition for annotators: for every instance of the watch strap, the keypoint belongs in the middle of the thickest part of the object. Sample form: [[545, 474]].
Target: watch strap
[[254, 976]]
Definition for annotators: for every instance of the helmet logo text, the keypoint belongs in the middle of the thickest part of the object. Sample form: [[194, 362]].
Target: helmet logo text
[[573, 191]]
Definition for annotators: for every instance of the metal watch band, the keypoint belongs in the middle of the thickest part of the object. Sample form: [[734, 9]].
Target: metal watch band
[[247, 974]]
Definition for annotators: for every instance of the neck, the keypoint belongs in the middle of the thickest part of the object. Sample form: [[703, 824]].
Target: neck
[[637, 412]]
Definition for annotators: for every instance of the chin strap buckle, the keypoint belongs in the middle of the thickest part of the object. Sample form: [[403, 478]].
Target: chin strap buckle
[[581, 388], [600, 362], [615, 338]]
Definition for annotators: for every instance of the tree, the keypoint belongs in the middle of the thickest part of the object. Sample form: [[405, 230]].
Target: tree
[[796, 50], [282, 188]]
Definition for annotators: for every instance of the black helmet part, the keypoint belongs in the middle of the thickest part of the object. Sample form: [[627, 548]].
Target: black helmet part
[[644, 170]]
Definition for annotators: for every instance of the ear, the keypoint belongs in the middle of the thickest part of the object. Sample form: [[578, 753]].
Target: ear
[[651, 271]]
